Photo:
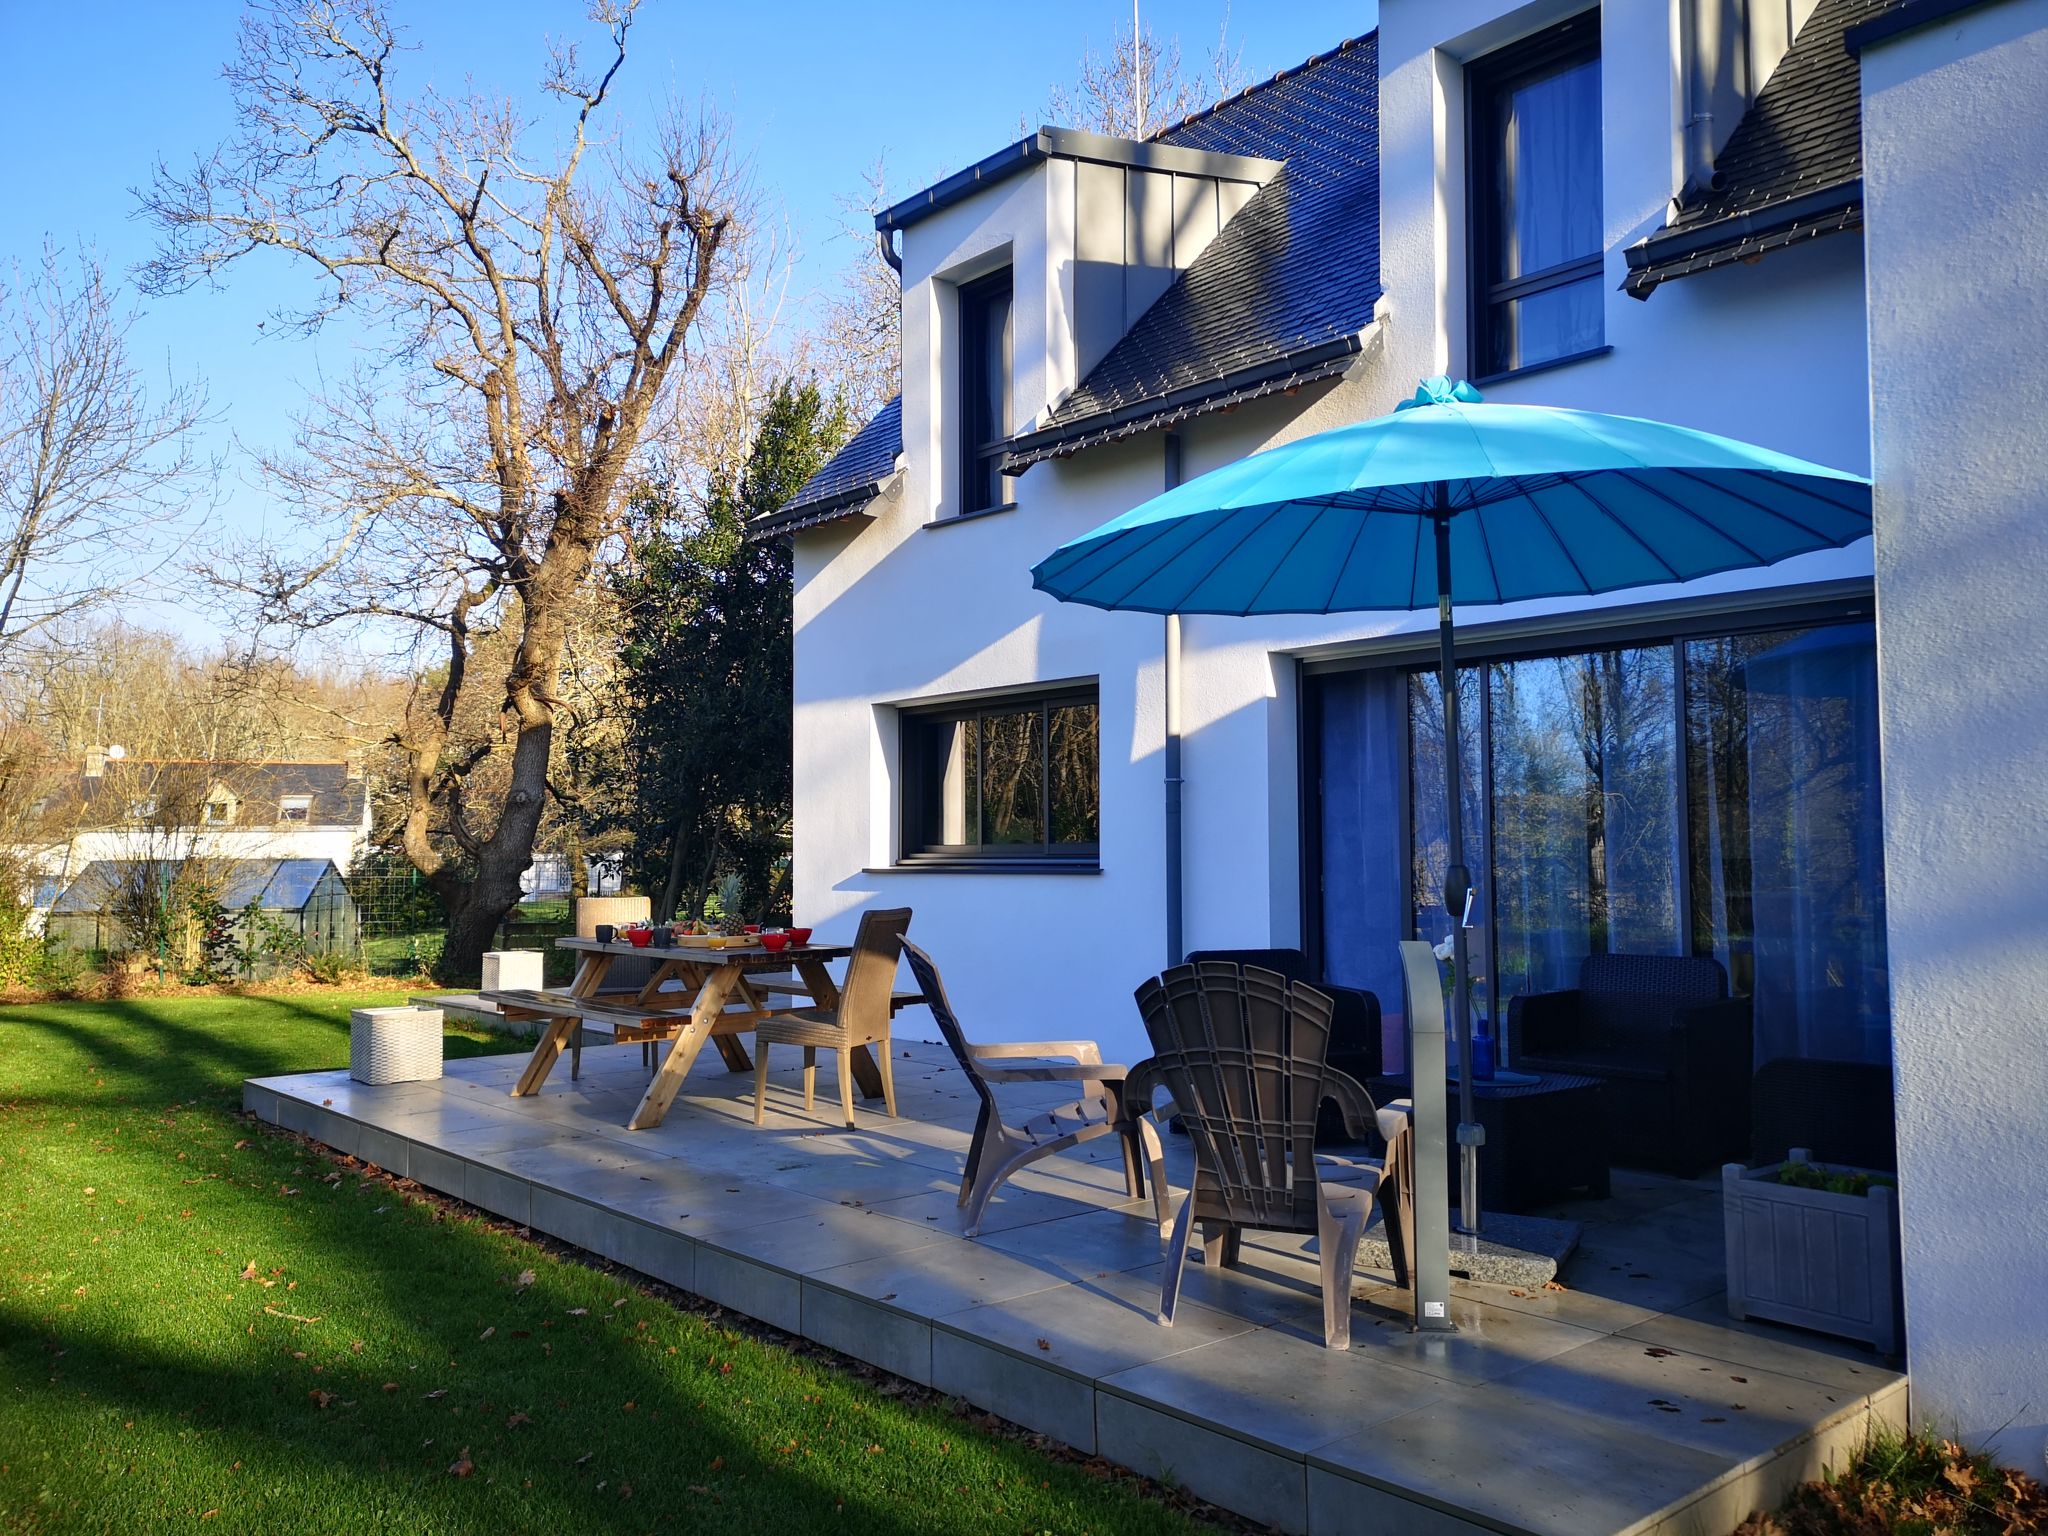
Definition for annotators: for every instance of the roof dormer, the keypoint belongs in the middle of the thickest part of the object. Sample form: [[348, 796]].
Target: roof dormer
[[1039, 258]]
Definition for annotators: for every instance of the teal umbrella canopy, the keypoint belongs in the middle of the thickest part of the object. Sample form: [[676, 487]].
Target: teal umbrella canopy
[[1540, 502]]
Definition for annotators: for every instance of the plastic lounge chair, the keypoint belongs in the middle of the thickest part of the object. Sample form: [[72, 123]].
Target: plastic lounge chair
[[999, 1148], [1243, 1053], [861, 1018]]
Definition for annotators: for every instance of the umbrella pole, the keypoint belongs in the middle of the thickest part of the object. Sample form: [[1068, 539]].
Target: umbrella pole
[[1457, 879]]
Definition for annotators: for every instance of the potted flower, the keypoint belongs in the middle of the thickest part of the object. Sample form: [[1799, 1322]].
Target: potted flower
[[1816, 1245]]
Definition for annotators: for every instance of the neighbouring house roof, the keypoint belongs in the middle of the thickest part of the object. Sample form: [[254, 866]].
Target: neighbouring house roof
[[853, 477], [1791, 171], [336, 797], [1285, 292], [1278, 299], [273, 885]]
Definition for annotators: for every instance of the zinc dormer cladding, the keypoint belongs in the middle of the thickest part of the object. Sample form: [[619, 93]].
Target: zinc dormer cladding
[[1278, 295]]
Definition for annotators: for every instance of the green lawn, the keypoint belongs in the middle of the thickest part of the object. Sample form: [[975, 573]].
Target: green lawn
[[202, 1327]]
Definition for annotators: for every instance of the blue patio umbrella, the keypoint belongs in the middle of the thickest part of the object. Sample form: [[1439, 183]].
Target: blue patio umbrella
[[1453, 501]]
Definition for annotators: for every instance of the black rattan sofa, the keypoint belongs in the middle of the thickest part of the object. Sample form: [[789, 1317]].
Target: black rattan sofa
[[1671, 1046]]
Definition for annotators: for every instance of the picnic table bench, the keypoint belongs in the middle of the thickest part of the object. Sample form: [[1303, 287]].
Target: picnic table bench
[[720, 994]]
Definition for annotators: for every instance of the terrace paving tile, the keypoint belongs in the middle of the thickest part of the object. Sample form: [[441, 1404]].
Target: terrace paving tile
[[825, 1237], [1086, 1246], [1706, 1330]]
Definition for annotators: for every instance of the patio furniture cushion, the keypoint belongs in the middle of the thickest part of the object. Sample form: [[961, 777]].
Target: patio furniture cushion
[[1674, 1049]]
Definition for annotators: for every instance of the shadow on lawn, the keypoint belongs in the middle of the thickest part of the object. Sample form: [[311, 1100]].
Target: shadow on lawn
[[250, 1402]]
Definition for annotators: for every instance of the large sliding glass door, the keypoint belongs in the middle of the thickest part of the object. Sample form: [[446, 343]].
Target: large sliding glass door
[[1713, 793]]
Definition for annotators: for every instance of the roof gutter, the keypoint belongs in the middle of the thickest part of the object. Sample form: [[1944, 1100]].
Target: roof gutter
[[1682, 251], [1050, 143], [1310, 365], [851, 502]]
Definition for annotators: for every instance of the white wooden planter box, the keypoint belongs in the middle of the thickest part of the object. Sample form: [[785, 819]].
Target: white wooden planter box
[[394, 1045], [1812, 1258]]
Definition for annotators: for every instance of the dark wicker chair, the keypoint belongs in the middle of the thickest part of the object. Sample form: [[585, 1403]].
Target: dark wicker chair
[[1672, 1047], [1244, 1054], [1840, 1111]]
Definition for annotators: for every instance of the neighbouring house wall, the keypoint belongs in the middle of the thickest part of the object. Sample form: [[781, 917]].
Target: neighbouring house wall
[[1954, 140]]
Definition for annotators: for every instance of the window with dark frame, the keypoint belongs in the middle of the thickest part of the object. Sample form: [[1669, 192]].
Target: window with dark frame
[[1012, 778], [1533, 137], [985, 358]]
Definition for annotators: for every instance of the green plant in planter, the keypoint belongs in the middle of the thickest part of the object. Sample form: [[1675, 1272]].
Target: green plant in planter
[[1812, 1176]]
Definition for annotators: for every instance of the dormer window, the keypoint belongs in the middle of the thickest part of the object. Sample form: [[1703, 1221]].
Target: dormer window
[[1536, 253], [220, 807], [985, 364], [295, 808], [141, 810]]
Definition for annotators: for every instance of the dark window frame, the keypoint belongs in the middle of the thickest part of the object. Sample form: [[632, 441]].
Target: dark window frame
[[910, 800], [1569, 42], [1676, 631], [979, 441]]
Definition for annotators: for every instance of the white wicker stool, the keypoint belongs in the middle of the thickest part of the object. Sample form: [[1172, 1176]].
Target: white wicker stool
[[394, 1045]]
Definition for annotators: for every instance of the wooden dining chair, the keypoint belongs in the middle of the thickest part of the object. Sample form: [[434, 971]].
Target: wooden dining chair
[[999, 1148], [1244, 1053], [860, 1018]]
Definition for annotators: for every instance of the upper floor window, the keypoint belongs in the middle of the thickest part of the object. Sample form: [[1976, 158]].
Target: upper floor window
[[220, 812], [1015, 777], [985, 352], [142, 809], [295, 808], [1534, 136]]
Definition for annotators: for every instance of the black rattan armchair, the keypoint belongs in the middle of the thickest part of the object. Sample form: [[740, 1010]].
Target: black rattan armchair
[[1670, 1044]]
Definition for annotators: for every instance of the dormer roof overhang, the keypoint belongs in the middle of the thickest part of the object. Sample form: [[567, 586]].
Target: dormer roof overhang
[[1050, 143]]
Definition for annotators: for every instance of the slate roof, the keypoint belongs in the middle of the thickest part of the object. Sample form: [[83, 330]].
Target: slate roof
[[338, 799], [852, 478], [1276, 300], [1791, 171], [1280, 296]]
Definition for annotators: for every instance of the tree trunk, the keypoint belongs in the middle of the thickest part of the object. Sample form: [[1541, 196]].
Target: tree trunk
[[476, 909]]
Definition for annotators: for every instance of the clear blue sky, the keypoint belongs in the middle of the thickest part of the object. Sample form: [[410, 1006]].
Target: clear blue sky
[[816, 92]]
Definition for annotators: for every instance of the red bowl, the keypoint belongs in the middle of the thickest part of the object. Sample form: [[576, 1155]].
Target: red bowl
[[639, 938], [799, 937], [773, 942]]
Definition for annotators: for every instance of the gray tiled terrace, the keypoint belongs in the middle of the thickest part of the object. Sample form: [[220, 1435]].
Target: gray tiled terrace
[[1626, 1402]]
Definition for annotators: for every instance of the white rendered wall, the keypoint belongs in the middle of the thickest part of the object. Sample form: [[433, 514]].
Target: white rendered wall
[[1954, 141], [892, 611]]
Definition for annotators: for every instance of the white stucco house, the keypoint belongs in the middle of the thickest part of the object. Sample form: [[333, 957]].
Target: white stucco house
[[119, 809], [1651, 209]]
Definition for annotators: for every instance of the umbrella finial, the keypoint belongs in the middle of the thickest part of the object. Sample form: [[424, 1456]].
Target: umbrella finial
[[1441, 389]]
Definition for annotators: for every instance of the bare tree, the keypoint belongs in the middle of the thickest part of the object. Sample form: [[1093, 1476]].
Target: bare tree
[[96, 481], [531, 314], [857, 343], [1142, 85]]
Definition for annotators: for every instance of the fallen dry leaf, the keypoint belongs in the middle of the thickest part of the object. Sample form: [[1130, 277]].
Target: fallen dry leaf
[[437, 1394], [461, 1466], [1659, 1352], [488, 1332], [390, 1386], [322, 1399], [525, 1278], [1046, 1345], [579, 1311], [580, 1460], [516, 1420]]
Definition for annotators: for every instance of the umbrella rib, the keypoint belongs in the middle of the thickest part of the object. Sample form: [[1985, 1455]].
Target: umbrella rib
[[1486, 548], [1415, 564], [1251, 603], [1350, 553], [1676, 505], [1608, 513], [1784, 517], [1557, 538], [1215, 565], [1125, 559]]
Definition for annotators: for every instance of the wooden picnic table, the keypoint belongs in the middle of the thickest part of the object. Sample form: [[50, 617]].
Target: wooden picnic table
[[714, 980]]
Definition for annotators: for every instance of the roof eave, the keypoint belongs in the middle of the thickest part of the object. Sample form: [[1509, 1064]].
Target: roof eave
[[1050, 143], [1291, 370], [850, 503], [1686, 250]]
